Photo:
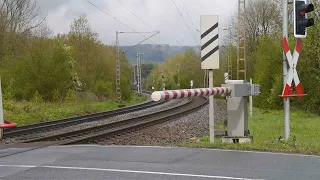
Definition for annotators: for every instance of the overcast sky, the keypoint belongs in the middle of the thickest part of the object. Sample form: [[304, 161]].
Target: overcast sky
[[160, 14]]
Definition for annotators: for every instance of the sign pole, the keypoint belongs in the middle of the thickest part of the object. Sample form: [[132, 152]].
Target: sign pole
[[286, 101], [211, 108], [210, 57]]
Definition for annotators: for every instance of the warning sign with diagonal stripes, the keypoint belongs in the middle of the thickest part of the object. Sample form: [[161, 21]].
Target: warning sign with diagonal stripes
[[209, 42]]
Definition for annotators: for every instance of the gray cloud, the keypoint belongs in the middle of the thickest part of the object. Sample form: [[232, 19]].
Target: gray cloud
[[161, 14]]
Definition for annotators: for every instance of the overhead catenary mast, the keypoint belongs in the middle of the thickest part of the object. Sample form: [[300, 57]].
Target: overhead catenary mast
[[118, 90], [241, 45]]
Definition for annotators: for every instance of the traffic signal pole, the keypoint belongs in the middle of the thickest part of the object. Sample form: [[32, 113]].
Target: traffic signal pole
[[286, 101], [301, 23]]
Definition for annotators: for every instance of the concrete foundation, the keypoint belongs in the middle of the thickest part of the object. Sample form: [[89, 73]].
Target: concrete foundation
[[237, 140]]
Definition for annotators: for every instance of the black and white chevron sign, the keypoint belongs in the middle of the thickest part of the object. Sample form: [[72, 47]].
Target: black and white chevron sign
[[210, 42]]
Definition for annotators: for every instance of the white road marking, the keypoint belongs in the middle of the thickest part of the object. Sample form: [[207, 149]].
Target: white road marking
[[129, 171], [164, 147]]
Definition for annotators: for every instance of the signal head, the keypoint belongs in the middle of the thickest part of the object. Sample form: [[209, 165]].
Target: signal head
[[301, 21]]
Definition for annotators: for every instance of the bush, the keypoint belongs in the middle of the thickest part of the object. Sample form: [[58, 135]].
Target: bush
[[88, 97], [103, 89], [37, 98], [72, 96], [56, 97]]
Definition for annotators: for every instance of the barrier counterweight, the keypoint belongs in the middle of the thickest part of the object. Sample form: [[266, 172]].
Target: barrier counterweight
[[185, 93]]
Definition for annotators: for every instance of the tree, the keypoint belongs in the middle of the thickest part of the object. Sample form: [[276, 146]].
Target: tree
[[47, 67], [19, 16], [261, 18], [190, 69], [269, 72]]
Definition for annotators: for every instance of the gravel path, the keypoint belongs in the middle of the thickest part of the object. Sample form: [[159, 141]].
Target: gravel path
[[166, 105], [181, 130]]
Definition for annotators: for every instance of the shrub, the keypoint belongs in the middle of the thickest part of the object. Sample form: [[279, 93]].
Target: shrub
[[72, 96]]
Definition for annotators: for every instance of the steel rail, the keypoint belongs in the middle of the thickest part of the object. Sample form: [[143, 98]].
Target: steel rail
[[119, 126], [50, 125]]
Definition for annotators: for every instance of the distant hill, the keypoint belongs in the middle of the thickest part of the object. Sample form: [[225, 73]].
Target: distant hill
[[155, 53]]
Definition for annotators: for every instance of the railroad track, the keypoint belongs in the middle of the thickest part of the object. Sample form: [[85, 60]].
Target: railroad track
[[119, 128], [53, 125]]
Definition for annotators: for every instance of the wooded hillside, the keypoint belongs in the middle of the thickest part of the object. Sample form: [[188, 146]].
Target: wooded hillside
[[36, 64]]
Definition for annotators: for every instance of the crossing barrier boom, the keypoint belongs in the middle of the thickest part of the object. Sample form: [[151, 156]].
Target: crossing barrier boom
[[185, 93]]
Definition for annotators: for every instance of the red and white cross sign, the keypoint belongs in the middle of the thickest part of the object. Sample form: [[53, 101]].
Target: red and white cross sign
[[292, 72]]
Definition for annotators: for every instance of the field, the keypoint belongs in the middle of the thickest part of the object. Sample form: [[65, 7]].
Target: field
[[266, 128], [24, 113]]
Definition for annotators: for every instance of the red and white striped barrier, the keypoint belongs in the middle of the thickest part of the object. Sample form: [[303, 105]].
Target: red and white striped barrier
[[185, 93]]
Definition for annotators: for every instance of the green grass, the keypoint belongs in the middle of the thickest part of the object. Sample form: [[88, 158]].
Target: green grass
[[267, 126], [24, 113]]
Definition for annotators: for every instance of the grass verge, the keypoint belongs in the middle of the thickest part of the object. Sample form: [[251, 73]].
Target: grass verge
[[24, 113], [267, 126]]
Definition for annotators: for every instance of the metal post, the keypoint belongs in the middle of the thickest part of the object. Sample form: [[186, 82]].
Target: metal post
[[286, 102], [163, 85], [211, 108], [134, 75], [241, 46], [138, 79], [229, 55], [118, 90], [152, 81], [140, 73], [178, 75], [147, 83], [250, 101], [1, 112]]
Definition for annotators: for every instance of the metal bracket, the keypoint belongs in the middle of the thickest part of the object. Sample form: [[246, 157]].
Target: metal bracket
[[249, 90], [241, 90], [255, 89]]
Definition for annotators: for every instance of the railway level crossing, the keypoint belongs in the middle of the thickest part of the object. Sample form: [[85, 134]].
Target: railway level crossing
[[236, 92]]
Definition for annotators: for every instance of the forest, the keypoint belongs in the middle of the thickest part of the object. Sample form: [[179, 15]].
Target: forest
[[37, 65]]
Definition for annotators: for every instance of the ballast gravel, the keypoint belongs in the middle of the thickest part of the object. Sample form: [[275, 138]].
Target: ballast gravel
[[181, 130]]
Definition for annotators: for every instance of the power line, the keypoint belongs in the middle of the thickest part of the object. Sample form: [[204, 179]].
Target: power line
[[116, 19], [185, 21], [110, 15], [189, 16], [142, 22], [141, 42], [137, 16]]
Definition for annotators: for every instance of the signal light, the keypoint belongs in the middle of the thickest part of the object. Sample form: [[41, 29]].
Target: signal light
[[301, 20]]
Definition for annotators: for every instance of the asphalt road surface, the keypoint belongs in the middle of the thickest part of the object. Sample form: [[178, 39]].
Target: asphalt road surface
[[153, 163]]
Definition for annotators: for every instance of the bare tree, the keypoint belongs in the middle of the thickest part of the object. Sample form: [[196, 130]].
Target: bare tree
[[19, 16], [262, 18]]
